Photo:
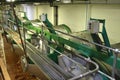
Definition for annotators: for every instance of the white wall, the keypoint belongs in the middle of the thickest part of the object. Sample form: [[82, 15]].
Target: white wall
[[111, 13], [29, 9], [73, 15], [45, 9]]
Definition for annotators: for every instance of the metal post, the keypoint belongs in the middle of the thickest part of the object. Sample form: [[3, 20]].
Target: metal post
[[55, 15], [114, 63], [42, 34]]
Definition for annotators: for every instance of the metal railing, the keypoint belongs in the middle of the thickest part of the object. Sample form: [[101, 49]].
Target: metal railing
[[88, 60]]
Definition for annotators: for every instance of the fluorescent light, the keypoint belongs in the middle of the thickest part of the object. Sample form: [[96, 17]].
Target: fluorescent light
[[66, 1], [10, 0], [36, 3], [13, 0], [58, 0]]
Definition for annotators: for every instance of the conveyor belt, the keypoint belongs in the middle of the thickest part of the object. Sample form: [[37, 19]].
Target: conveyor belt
[[42, 61], [45, 64]]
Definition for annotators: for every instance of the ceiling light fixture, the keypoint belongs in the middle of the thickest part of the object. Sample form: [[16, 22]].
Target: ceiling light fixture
[[10, 0], [58, 0], [36, 4], [66, 1]]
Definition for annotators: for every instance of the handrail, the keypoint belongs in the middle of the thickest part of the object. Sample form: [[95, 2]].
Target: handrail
[[86, 59], [106, 75], [117, 51], [109, 48]]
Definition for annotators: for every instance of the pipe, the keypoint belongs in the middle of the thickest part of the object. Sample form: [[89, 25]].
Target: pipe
[[106, 75], [114, 65]]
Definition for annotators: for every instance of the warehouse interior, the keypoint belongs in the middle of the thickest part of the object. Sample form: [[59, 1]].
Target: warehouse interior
[[59, 40]]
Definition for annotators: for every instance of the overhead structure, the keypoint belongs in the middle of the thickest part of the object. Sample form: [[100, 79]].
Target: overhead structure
[[54, 2]]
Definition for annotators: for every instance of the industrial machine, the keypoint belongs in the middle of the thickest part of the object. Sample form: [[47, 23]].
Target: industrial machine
[[83, 57]]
